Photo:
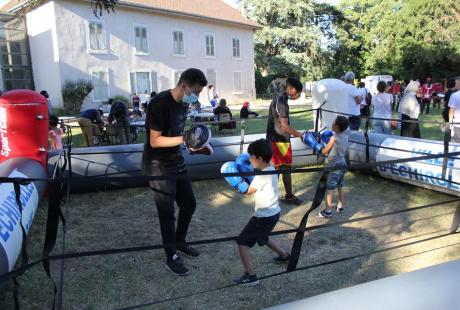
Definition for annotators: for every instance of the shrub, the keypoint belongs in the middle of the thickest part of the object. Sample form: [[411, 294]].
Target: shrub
[[74, 92]]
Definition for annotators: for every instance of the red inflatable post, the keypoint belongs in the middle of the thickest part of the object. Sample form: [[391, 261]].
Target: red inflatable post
[[23, 125]]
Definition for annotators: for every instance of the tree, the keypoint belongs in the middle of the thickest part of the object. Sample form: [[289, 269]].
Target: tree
[[407, 39], [289, 42], [98, 7]]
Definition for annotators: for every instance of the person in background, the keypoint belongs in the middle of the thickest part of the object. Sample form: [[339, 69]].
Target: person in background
[[450, 90], [136, 101], [401, 95], [119, 114], [212, 95], [86, 121], [418, 95], [454, 111], [146, 103], [364, 105], [354, 101], [382, 109], [410, 111], [45, 94], [145, 96], [245, 112], [136, 116], [396, 92], [223, 109], [427, 94], [55, 133]]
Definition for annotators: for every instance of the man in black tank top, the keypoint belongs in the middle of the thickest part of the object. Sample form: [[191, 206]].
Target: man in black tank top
[[279, 134]]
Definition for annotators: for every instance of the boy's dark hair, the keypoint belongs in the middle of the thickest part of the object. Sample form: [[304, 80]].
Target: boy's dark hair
[[362, 84], [341, 122], [294, 82], [53, 120], [193, 77], [381, 86], [261, 149], [450, 83], [44, 93]]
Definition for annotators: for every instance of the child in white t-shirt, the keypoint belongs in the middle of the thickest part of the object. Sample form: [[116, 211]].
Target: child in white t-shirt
[[267, 212]]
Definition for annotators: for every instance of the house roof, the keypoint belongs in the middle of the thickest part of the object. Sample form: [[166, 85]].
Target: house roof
[[216, 10], [208, 9], [10, 5]]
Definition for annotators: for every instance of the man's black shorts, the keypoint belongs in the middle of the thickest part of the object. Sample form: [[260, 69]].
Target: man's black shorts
[[260, 226]]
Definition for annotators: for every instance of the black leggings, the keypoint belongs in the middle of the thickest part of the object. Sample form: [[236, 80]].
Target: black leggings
[[165, 193]]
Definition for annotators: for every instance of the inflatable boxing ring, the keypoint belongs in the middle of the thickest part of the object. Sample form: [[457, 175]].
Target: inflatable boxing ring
[[24, 135]]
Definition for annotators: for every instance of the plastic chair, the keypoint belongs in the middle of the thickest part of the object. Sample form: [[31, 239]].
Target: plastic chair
[[226, 122]]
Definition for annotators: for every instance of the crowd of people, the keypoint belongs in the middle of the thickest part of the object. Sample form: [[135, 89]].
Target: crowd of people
[[409, 98], [120, 122]]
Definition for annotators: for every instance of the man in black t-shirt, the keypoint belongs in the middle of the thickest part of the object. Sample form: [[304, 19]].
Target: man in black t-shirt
[[279, 133], [166, 115], [119, 114]]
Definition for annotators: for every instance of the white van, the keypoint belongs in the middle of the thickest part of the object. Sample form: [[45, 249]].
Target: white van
[[372, 80]]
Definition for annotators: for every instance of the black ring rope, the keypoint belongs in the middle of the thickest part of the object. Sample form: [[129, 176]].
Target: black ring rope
[[317, 265], [74, 255]]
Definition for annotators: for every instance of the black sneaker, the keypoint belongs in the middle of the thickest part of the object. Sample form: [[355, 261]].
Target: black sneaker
[[339, 209], [189, 251], [176, 266], [292, 200], [247, 280], [280, 259], [325, 214]]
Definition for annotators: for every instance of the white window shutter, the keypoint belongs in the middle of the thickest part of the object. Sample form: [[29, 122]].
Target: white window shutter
[[154, 80]]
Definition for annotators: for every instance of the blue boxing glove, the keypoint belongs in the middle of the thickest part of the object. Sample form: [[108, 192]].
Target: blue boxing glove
[[326, 136], [237, 182], [310, 141], [245, 166]]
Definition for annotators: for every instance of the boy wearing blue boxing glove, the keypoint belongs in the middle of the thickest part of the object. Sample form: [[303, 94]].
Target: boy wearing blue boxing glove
[[335, 148], [267, 210]]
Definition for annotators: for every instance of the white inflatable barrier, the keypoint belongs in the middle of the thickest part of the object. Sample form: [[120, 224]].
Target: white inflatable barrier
[[10, 228], [432, 288], [125, 161], [423, 173]]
